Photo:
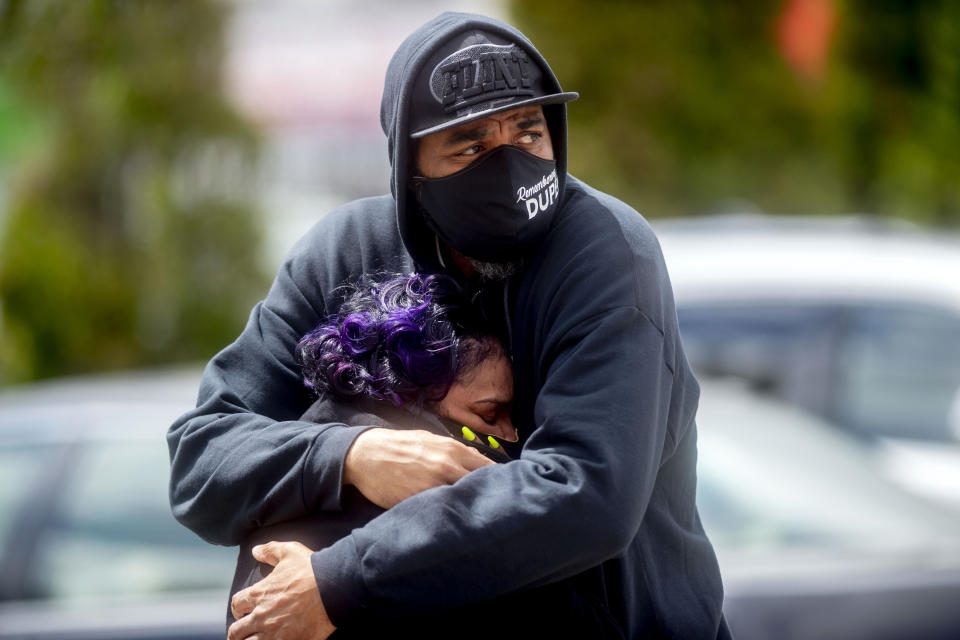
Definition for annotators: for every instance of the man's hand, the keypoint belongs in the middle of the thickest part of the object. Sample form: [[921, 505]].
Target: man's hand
[[390, 465], [286, 604]]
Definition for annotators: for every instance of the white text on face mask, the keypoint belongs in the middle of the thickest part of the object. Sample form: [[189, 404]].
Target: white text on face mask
[[539, 196]]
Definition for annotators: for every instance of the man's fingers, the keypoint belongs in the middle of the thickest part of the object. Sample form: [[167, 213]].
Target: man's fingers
[[285, 605], [269, 552], [243, 628], [388, 466], [452, 460], [471, 459], [242, 603]]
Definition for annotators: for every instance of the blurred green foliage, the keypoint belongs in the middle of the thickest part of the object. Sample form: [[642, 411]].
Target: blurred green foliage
[[692, 107], [127, 235]]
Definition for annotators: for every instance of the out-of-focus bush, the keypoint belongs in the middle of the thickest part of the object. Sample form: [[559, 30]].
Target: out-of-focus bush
[[128, 236], [796, 106]]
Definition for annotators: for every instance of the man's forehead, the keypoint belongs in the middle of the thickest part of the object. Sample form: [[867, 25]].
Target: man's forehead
[[519, 117]]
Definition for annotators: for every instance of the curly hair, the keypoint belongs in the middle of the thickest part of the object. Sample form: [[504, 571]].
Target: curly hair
[[400, 338]]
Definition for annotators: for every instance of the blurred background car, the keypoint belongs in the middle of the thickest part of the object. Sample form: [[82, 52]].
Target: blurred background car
[[813, 541], [853, 320], [87, 541], [158, 159]]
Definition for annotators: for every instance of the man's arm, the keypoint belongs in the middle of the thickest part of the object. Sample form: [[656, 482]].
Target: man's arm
[[239, 459], [596, 355], [596, 343], [574, 499]]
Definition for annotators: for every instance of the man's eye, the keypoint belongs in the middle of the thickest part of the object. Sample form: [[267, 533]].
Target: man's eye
[[529, 138], [471, 151]]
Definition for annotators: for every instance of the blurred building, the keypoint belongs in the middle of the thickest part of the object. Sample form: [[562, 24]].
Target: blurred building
[[310, 74]]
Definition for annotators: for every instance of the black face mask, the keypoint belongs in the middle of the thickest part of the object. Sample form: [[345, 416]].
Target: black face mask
[[497, 208]]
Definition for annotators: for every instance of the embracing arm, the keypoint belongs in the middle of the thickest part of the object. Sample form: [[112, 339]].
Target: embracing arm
[[241, 459], [597, 353], [574, 499]]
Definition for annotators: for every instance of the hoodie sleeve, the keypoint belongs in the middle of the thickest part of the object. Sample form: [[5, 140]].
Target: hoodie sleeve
[[241, 459], [576, 496]]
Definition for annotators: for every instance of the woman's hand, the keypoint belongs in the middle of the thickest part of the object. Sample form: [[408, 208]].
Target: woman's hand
[[390, 465], [481, 400]]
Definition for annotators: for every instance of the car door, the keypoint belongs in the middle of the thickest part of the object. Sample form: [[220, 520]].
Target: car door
[[100, 555], [899, 371]]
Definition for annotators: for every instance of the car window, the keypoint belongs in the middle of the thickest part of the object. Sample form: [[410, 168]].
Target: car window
[[900, 371], [115, 536], [781, 348]]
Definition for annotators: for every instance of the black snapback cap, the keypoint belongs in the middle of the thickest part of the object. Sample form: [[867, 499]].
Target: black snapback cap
[[474, 75]]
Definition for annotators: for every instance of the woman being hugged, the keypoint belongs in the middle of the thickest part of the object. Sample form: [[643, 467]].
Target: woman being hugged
[[411, 342], [410, 353], [404, 352]]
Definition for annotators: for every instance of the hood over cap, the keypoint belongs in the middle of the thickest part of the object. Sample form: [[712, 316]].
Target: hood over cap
[[414, 104]]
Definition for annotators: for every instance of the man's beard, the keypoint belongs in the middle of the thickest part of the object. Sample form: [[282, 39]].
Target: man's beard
[[496, 271]]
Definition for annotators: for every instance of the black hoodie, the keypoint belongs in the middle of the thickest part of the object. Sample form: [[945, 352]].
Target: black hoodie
[[604, 485]]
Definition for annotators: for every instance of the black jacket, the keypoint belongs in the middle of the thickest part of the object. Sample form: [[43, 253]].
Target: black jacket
[[568, 608], [603, 483]]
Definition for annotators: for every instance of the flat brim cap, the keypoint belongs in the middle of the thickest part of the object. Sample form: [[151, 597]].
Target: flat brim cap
[[475, 75]]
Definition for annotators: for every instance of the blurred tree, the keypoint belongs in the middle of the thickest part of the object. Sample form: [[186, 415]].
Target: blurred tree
[[128, 239], [798, 106]]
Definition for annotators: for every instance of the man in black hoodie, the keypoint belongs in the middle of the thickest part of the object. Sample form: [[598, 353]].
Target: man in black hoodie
[[602, 486]]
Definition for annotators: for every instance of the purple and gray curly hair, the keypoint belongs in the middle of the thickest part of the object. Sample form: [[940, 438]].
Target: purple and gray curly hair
[[400, 338]]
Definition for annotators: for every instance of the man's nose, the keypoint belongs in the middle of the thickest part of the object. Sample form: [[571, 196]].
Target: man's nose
[[499, 136]]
